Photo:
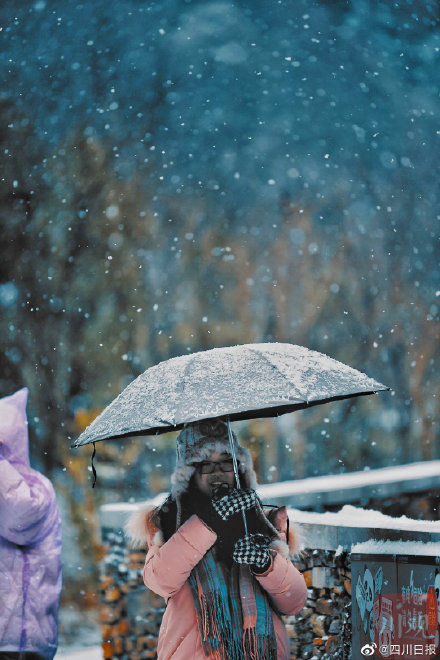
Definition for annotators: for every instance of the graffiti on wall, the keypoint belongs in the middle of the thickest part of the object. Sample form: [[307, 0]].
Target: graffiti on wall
[[396, 607]]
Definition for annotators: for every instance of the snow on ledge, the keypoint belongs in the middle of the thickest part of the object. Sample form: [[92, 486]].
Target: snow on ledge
[[351, 516], [397, 548], [330, 482]]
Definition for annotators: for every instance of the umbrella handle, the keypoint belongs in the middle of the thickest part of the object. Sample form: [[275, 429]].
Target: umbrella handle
[[237, 478]]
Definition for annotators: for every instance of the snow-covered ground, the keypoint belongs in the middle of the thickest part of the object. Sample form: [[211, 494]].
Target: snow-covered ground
[[78, 631], [89, 653]]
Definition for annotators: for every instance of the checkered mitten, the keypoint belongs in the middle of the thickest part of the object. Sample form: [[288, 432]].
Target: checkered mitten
[[236, 501], [252, 550]]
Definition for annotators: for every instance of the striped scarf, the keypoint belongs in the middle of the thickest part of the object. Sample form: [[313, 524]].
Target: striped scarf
[[233, 611]]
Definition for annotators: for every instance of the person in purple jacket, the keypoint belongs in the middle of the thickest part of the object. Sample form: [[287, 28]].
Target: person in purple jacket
[[30, 544]]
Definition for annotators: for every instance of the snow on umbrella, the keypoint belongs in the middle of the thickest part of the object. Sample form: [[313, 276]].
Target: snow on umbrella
[[236, 382]]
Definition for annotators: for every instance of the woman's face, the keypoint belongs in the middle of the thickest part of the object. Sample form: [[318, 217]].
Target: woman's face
[[207, 482]]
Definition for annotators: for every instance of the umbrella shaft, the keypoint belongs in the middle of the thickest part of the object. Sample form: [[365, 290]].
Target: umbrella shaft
[[237, 478]]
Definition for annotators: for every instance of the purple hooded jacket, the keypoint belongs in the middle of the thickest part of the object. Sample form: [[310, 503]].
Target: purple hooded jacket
[[30, 541]]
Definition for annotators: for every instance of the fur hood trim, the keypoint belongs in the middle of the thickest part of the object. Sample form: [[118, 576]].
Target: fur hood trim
[[195, 443], [142, 532], [184, 470], [140, 529]]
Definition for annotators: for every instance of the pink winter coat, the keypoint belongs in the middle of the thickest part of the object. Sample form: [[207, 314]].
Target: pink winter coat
[[166, 571]]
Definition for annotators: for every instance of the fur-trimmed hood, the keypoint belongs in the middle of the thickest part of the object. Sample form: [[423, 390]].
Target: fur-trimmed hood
[[184, 471], [196, 442], [142, 531]]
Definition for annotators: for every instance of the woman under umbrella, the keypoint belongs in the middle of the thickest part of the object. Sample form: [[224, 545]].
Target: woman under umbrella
[[226, 588]]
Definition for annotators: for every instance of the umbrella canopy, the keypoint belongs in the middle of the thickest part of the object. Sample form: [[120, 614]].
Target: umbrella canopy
[[235, 382]]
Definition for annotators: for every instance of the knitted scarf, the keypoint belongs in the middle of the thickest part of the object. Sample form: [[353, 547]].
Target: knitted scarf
[[233, 611]]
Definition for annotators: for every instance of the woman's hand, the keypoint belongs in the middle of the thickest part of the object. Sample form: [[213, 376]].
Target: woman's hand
[[253, 551], [234, 501], [229, 524]]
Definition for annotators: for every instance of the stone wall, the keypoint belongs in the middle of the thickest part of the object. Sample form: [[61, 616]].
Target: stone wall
[[130, 614], [322, 629]]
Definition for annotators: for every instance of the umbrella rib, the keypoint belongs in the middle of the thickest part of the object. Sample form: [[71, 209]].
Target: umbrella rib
[[277, 370]]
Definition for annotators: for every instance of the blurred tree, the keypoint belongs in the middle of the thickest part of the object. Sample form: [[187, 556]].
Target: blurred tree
[[20, 192], [79, 288], [222, 111]]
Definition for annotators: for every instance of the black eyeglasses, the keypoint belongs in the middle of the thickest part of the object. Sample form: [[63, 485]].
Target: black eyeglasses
[[208, 467]]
